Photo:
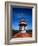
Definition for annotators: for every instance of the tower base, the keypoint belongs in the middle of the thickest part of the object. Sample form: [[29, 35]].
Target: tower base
[[23, 31]]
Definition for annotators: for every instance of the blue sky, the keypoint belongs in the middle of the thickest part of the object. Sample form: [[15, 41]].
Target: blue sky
[[17, 13]]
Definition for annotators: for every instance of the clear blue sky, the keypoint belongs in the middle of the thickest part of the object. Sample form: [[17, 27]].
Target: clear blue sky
[[17, 13]]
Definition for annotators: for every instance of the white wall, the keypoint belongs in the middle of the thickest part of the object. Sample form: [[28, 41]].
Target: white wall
[[2, 21]]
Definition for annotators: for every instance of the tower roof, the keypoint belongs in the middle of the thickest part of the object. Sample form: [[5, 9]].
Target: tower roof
[[22, 22]]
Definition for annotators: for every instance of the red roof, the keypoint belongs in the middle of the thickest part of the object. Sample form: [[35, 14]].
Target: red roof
[[23, 35]]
